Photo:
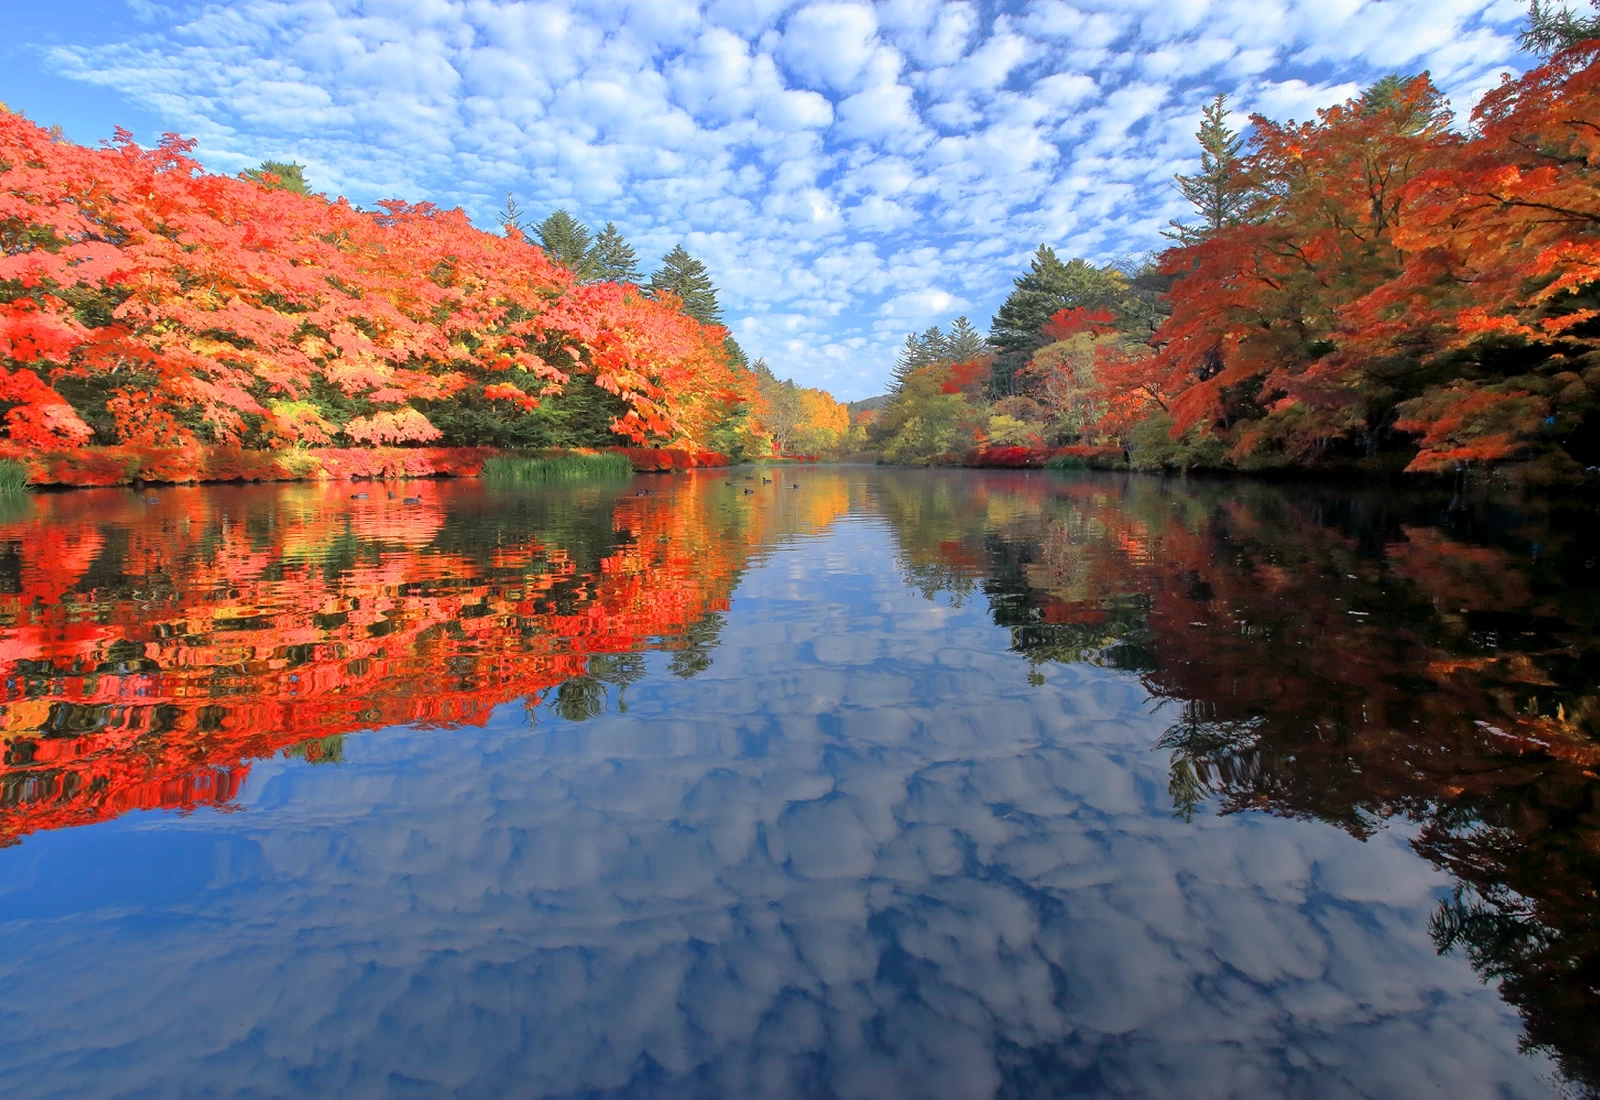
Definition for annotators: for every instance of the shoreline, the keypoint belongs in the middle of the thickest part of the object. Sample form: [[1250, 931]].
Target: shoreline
[[103, 467], [135, 467], [1387, 473]]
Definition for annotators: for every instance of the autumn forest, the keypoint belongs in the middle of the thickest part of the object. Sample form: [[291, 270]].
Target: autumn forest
[[1387, 286], [149, 306], [441, 648]]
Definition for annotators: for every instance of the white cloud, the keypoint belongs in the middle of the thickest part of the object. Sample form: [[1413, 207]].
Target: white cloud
[[947, 38], [886, 113], [922, 305], [796, 110], [1063, 89], [1295, 99], [1084, 30], [833, 160], [830, 43]]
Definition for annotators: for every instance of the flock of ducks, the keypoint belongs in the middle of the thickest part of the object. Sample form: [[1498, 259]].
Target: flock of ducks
[[403, 500], [752, 477]]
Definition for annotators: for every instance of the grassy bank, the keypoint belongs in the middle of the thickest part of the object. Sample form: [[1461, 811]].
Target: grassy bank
[[519, 470], [91, 466], [13, 477]]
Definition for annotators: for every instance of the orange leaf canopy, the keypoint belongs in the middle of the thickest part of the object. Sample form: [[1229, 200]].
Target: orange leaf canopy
[[146, 301]]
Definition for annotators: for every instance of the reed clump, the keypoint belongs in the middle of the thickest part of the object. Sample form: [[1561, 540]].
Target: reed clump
[[13, 476], [535, 470]]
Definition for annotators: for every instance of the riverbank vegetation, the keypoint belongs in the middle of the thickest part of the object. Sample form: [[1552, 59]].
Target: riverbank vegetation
[[1378, 287], [531, 470], [147, 304], [13, 476]]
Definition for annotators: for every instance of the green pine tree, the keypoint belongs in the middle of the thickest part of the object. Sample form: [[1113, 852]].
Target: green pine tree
[[1144, 304], [612, 259], [920, 350], [962, 344], [965, 343], [291, 176], [909, 359], [1047, 287], [566, 241], [1219, 191], [688, 278], [1553, 27]]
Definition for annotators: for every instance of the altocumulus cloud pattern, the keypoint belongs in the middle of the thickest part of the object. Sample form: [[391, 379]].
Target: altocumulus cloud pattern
[[850, 171]]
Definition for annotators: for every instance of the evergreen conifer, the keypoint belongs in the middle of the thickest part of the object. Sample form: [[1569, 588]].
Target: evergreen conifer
[[566, 241], [1219, 191], [291, 176], [688, 278], [612, 259]]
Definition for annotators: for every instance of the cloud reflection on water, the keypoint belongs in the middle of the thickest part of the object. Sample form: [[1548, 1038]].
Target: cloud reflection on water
[[859, 856]]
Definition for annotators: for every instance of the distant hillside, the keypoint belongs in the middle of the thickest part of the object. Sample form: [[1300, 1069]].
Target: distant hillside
[[869, 404]]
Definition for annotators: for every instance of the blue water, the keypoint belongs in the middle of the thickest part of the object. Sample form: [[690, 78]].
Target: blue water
[[871, 850]]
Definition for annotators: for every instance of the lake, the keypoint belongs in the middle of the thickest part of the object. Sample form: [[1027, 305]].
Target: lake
[[864, 783]]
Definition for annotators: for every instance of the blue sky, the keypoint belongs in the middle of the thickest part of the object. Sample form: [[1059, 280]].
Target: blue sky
[[849, 171]]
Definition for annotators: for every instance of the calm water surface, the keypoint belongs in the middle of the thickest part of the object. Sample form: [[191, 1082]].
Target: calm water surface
[[894, 784]]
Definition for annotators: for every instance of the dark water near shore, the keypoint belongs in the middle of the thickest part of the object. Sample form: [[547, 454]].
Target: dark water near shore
[[898, 783]]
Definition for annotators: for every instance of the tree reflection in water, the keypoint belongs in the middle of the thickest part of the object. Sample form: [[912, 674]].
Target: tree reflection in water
[[152, 650], [1327, 656], [1347, 658]]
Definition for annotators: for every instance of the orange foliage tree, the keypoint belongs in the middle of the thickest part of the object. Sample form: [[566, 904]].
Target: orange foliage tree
[[1502, 246], [1396, 285], [1255, 340], [145, 301]]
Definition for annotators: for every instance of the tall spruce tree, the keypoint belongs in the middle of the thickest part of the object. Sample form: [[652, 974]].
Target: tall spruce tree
[[688, 278], [906, 364], [1047, 287], [612, 259], [566, 241], [1219, 191], [965, 343], [1413, 116], [1144, 304], [920, 350]]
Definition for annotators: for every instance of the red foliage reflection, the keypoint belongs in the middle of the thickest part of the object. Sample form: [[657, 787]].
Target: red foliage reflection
[[153, 647]]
